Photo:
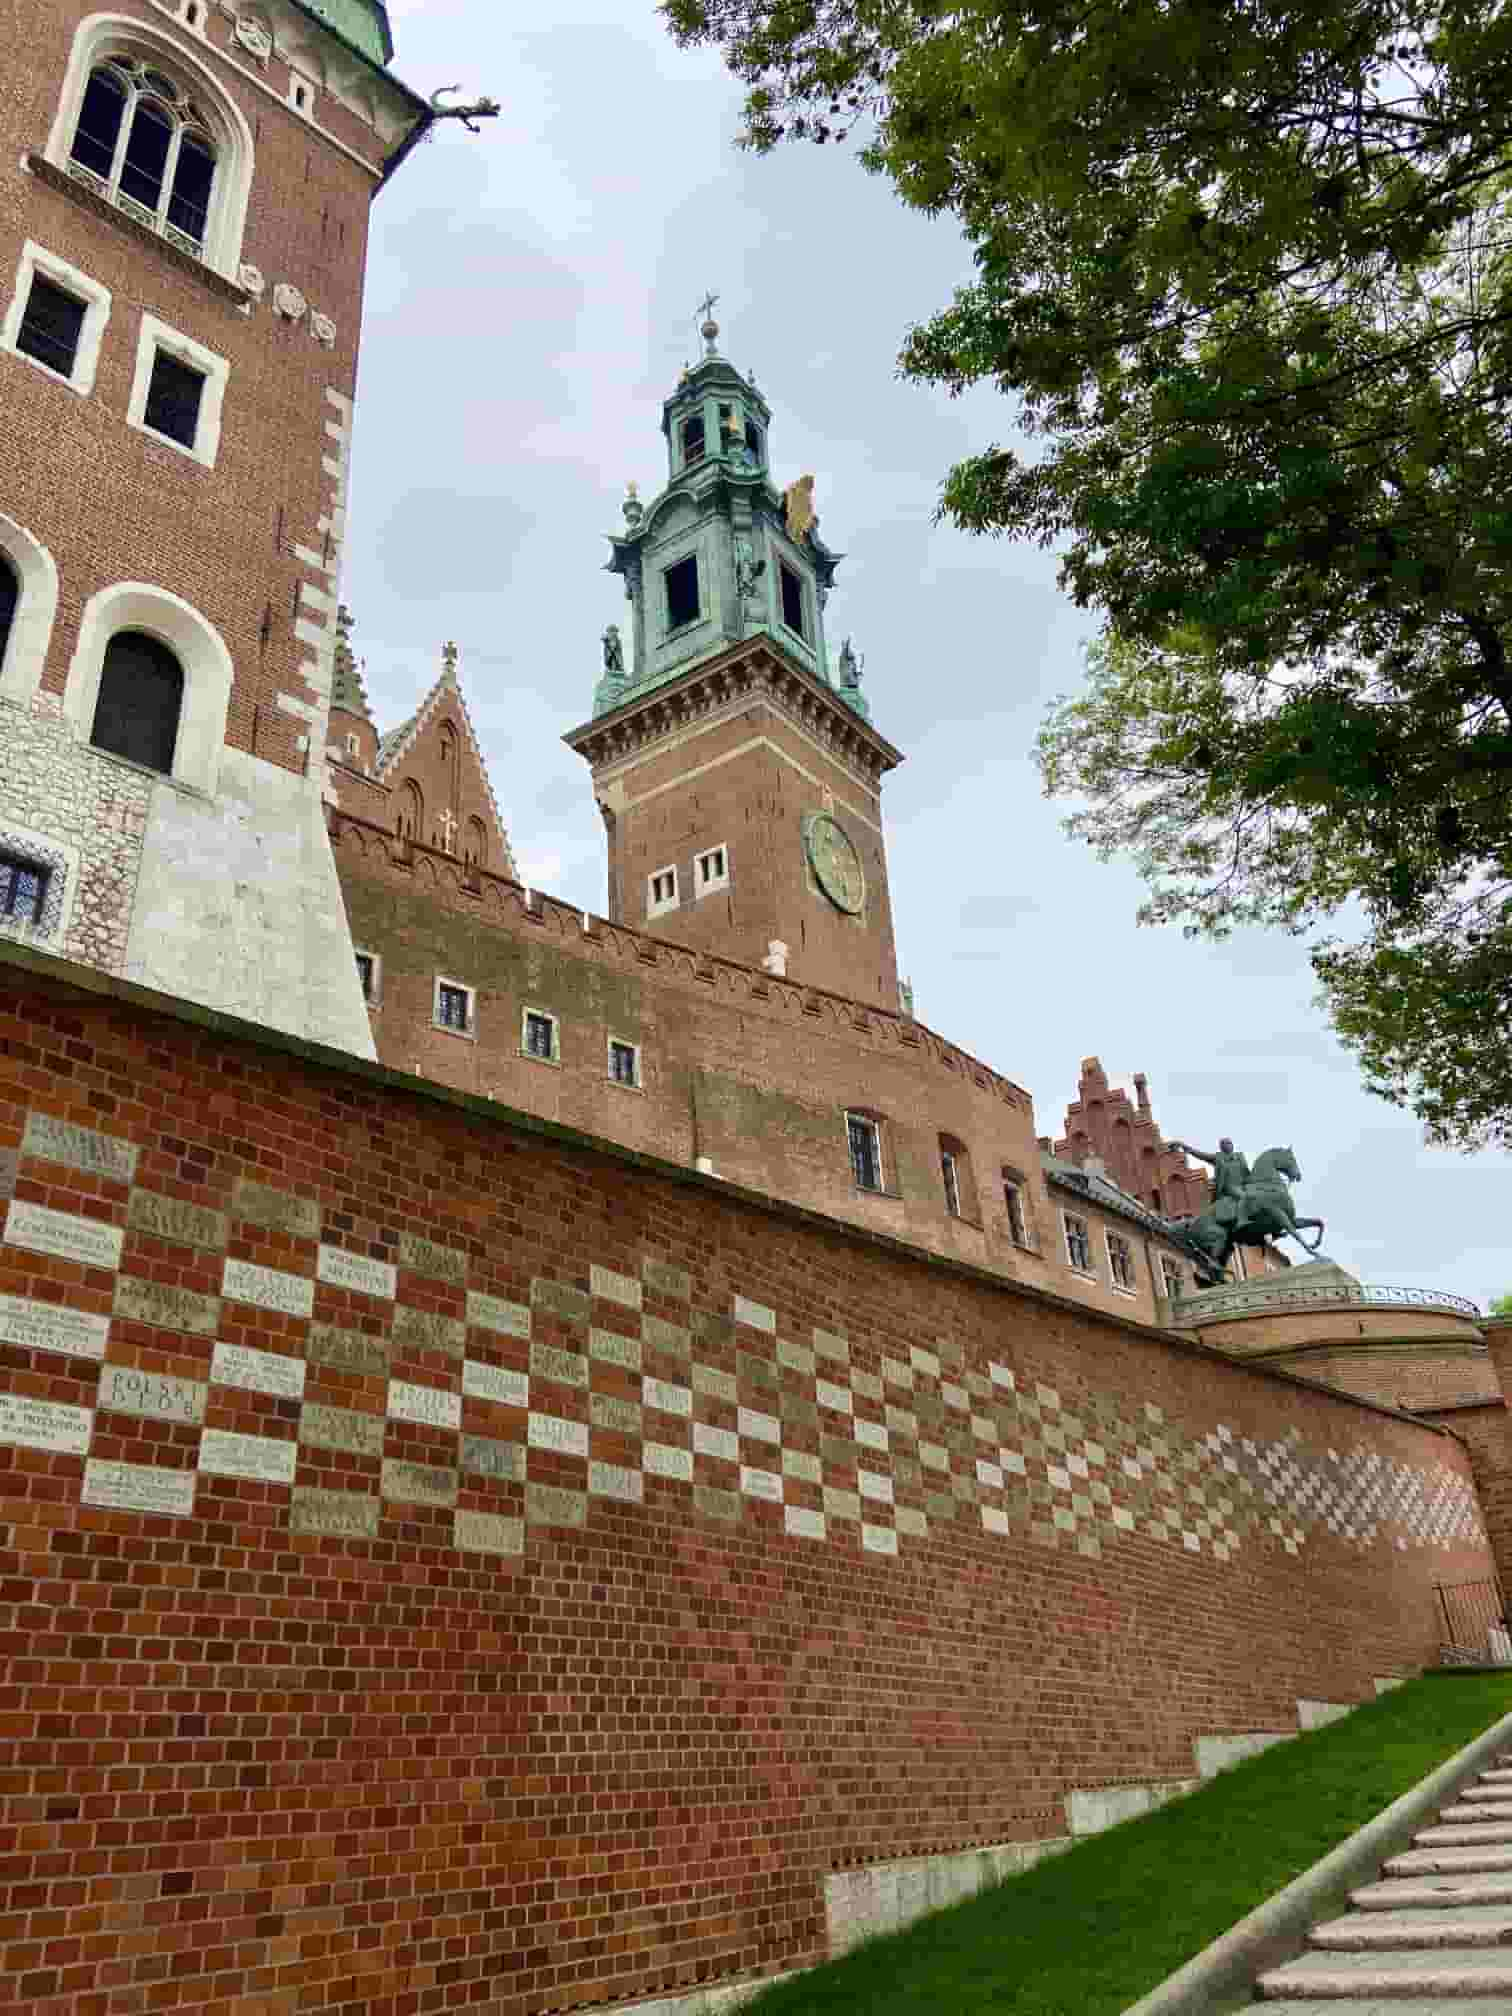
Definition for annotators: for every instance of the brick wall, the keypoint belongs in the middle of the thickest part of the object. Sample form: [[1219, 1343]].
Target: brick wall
[[557, 1561], [1486, 1428]]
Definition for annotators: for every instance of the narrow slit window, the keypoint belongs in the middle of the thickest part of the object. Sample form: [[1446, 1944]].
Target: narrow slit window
[[367, 975], [51, 326], [682, 592], [951, 1176], [1018, 1230], [23, 889], [174, 395], [792, 601]]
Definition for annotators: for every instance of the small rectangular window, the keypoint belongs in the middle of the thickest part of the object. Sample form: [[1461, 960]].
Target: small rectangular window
[[51, 327], [792, 600], [711, 871], [661, 891], [1174, 1279], [693, 439], [539, 1034], [624, 1062], [1120, 1260], [682, 592], [865, 1151], [952, 1180], [1078, 1244], [367, 975], [1018, 1228], [453, 1005], [174, 392], [23, 888]]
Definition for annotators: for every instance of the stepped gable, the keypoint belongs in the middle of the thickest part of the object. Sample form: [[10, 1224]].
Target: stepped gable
[[1104, 1124]]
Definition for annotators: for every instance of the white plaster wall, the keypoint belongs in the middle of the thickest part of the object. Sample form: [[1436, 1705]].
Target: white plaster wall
[[238, 906]]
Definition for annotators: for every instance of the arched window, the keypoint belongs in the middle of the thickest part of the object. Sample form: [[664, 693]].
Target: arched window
[[411, 821], [141, 696], [477, 842], [143, 143], [10, 595]]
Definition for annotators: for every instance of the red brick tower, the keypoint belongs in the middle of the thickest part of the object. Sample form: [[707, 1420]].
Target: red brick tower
[[1102, 1121], [183, 223], [739, 776]]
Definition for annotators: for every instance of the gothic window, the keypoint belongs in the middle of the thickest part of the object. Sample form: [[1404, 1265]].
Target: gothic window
[[10, 595], [693, 439], [792, 600], [477, 842], [1078, 1242], [141, 142], [1120, 1261], [23, 889], [51, 326], [410, 824], [682, 592], [141, 696], [864, 1138]]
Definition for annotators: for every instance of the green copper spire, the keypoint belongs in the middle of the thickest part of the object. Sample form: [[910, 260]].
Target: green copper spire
[[720, 554]]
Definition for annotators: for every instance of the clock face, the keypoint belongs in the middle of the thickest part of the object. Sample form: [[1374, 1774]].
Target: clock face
[[835, 862]]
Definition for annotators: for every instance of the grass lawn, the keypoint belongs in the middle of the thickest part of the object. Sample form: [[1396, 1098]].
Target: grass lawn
[[1090, 1931]]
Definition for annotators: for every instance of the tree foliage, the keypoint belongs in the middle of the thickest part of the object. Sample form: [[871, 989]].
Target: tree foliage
[[1502, 1306], [1244, 267]]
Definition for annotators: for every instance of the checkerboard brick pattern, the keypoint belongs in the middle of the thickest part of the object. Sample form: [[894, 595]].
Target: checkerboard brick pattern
[[444, 1565]]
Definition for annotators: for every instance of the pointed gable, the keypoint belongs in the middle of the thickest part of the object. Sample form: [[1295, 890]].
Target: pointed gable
[[434, 770]]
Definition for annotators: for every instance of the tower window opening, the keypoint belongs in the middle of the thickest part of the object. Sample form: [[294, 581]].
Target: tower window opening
[[138, 142], [693, 439], [140, 699], [174, 393], [682, 592], [792, 600], [753, 439], [23, 889], [51, 326], [952, 1180]]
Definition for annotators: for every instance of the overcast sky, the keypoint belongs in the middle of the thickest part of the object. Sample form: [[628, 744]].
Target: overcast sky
[[531, 298]]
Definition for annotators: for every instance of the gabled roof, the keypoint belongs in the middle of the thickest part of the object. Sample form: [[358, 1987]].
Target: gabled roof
[[393, 746]]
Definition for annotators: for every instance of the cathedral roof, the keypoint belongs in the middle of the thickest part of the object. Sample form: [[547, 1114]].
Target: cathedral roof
[[393, 746], [347, 690]]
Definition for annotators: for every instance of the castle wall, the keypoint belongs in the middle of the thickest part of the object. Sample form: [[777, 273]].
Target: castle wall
[[1485, 1427], [415, 1509]]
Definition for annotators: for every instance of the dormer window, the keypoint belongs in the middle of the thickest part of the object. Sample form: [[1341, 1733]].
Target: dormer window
[[792, 600], [693, 439]]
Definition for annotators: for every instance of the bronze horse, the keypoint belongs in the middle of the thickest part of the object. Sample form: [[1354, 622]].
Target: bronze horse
[[1262, 1211]]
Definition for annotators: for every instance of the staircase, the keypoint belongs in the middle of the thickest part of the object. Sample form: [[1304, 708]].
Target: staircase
[[1433, 1935]]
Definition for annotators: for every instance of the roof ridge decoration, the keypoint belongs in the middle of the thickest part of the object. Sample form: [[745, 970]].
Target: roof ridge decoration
[[402, 739], [347, 689]]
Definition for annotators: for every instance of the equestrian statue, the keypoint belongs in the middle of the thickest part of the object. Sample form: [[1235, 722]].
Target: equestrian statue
[[1248, 1205]]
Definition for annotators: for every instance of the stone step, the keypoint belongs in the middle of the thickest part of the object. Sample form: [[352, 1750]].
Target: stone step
[[1444, 1971], [1488, 1794], [1477, 1834], [1499, 1774], [1450, 1861], [1466, 1810], [1433, 1893], [1396, 2005], [1408, 1929]]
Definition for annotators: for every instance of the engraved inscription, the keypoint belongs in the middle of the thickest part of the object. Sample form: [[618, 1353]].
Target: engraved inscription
[[548, 1431], [492, 1458], [718, 1385], [615, 1287], [716, 1504], [606, 1411], [63, 1235], [425, 1256], [263, 1457], [40, 1326], [550, 1505], [137, 1487], [490, 1312], [664, 1279], [756, 1314], [879, 1539], [799, 1463], [758, 1427], [165, 1308], [761, 1484], [662, 1460], [79, 1147], [419, 1483], [276, 1210], [803, 1522], [347, 1350], [571, 1305], [423, 1330], [268, 1288], [667, 1398], [258, 1371], [426, 1404], [720, 1442], [612, 1480], [657, 1335], [615, 1350], [44, 1424], [343, 1512], [565, 1367], [495, 1382], [340, 1269], [127, 1389], [172, 1218], [797, 1356], [10, 1162], [489, 1533], [341, 1428]]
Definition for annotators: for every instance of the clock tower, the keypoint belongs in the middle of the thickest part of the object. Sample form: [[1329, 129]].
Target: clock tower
[[734, 762]]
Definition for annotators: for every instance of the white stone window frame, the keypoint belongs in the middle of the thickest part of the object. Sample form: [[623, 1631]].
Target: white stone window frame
[[706, 885], [1018, 1191], [854, 1116], [1172, 1278], [544, 1015], [469, 1029], [200, 650], [153, 336], [659, 906], [1131, 1286], [100, 36], [25, 651], [1068, 1219], [302, 90], [633, 1084], [61, 860], [36, 259], [374, 995]]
